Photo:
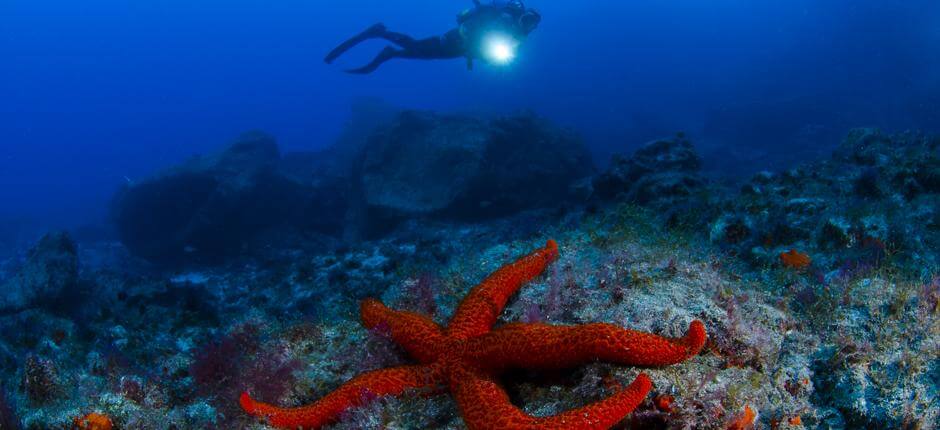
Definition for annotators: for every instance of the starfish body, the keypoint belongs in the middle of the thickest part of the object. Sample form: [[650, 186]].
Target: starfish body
[[467, 356]]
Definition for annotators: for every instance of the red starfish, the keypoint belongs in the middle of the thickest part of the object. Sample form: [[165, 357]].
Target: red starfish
[[467, 356]]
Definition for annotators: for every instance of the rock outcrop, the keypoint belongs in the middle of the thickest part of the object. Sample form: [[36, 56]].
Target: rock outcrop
[[50, 270], [420, 165], [876, 196], [210, 206], [662, 169]]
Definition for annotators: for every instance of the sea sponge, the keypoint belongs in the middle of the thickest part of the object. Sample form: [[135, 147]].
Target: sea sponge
[[745, 420], [93, 421], [794, 259]]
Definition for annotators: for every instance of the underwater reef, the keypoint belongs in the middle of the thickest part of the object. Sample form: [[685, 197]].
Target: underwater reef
[[423, 165], [818, 287]]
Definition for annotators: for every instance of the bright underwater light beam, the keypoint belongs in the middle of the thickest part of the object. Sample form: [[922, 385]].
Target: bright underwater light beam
[[500, 49]]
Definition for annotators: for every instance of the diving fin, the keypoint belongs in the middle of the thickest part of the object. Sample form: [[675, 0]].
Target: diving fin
[[387, 54], [370, 33]]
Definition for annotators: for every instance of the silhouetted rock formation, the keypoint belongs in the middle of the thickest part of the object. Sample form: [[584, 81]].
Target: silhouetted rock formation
[[421, 165], [209, 207]]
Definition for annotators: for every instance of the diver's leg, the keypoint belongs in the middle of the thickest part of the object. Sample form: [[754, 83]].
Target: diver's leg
[[403, 40], [387, 54], [433, 48], [373, 32]]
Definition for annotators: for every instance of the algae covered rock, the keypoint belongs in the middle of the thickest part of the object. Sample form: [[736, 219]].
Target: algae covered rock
[[864, 146], [661, 169], [463, 167], [873, 197], [51, 268]]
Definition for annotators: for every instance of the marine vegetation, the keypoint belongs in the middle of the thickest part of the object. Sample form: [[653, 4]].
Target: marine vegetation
[[467, 356]]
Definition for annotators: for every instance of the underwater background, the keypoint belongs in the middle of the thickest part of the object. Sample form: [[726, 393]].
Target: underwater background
[[193, 205]]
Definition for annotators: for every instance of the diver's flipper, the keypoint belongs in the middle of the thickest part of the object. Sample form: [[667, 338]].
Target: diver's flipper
[[387, 54], [372, 32]]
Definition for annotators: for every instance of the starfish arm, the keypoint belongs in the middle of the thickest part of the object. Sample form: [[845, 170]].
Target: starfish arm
[[478, 311], [358, 391], [485, 406], [543, 346], [417, 334]]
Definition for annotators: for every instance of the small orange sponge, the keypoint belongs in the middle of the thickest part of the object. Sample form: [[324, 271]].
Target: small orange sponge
[[93, 421], [795, 259], [745, 420]]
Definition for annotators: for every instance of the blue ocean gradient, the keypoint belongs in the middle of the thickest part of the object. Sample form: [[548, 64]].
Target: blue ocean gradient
[[97, 93]]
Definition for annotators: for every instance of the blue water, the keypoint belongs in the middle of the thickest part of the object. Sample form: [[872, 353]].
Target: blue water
[[96, 93]]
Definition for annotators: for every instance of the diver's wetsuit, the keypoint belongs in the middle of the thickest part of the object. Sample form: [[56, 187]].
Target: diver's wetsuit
[[446, 47], [457, 43]]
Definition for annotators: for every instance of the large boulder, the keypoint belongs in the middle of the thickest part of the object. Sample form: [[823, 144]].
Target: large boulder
[[210, 207], [50, 270], [662, 169], [467, 168]]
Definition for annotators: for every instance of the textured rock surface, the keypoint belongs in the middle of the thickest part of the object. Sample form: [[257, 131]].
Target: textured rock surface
[[874, 199], [50, 269], [662, 169]]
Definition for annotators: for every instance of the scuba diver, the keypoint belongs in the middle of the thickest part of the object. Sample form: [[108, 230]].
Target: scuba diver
[[490, 31]]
